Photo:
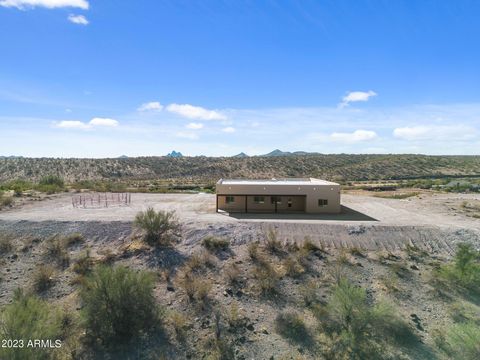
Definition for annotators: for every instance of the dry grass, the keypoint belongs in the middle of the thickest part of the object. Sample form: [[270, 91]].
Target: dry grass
[[43, 278], [232, 273], [214, 244]]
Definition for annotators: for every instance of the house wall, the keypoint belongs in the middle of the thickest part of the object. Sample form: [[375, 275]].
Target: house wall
[[310, 194]]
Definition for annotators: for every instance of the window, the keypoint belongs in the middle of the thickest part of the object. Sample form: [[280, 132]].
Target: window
[[322, 202], [289, 202], [276, 199], [230, 199], [259, 199]]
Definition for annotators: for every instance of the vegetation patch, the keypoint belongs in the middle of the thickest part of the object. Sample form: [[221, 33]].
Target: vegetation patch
[[159, 227], [213, 243], [28, 318], [118, 306]]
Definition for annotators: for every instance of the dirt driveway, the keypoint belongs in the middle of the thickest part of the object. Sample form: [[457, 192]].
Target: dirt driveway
[[429, 209]]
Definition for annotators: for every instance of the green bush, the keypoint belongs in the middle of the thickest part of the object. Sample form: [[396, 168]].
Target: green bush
[[28, 318], [50, 184], [357, 330], [118, 306], [159, 227], [461, 341], [464, 271]]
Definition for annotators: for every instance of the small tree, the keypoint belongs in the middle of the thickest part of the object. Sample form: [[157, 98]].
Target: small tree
[[159, 226], [28, 318], [119, 305]]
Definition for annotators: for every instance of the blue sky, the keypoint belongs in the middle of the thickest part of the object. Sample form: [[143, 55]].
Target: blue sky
[[91, 78]]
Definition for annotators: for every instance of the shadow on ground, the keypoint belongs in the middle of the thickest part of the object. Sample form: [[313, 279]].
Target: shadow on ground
[[346, 214]]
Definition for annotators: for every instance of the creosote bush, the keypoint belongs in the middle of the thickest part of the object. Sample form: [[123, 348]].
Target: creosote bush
[[464, 272], [160, 227], [56, 251], [272, 243], [118, 306], [28, 318], [357, 330], [213, 243]]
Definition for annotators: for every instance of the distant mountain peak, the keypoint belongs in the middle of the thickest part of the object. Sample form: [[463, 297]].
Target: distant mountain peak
[[241, 155], [278, 152], [175, 154], [123, 157]]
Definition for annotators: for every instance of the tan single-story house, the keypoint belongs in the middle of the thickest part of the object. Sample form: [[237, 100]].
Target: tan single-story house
[[290, 195]]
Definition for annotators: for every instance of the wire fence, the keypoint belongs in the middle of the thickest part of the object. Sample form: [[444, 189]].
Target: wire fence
[[101, 200]]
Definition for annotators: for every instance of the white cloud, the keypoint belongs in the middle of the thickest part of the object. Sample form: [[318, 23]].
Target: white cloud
[[71, 124], [103, 122], [95, 122], [229, 129], [356, 136], [151, 106], [435, 132], [50, 4], [355, 96], [187, 135], [194, 126], [195, 112], [78, 19]]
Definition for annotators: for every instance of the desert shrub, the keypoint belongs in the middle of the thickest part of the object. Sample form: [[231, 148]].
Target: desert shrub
[[293, 267], [232, 273], [179, 323], [28, 318], [218, 349], [310, 246], [160, 227], [356, 251], [73, 239], [5, 201], [118, 305], [253, 251], [272, 243], [357, 330], [200, 261], [84, 264], [6, 244], [464, 272], [462, 312], [213, 243], [50, 184], [291, 325], [309, 292], [460, 341], [18, 186], [56, 251], [43, 278], [196, 287], [234, 316], [267, 278]]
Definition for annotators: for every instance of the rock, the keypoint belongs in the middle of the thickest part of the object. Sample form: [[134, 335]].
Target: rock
[[264, 331], [170, 288], [417, 321], [250, 327], [414, 267]]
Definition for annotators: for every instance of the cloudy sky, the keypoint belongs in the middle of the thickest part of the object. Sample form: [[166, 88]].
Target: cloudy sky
[[91, 78]]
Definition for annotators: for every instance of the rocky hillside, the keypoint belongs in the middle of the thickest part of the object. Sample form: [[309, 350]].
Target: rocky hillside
[[334, 167]]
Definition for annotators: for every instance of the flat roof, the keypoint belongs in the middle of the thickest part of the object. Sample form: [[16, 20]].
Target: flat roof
[[280, 181]]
